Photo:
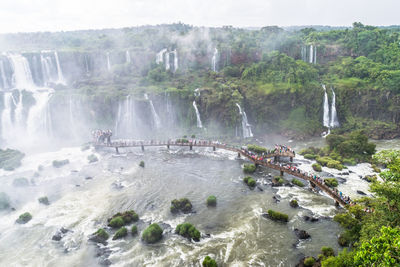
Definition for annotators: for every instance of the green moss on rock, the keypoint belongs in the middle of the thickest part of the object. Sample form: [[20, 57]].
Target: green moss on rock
[[24, 218], [60, 163], [152, 234], [211, 201], [188, 230], [44, 200], [277, 216], [122, 232], [249, 168], [209, 262], [184, 205]]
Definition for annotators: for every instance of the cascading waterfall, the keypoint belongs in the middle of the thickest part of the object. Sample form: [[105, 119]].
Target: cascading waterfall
[[315, 55], [214, 60], [47, 66], [311, 54], [7, 125], [245, 124], [326, 108], [334, 122], [199, 124], [160, 56], [87, 64], [175, 60], [61, 79], [39, 119], [3, 75], [167, 63], [108, 62], [156, 118], [127, 57], [22, 74]]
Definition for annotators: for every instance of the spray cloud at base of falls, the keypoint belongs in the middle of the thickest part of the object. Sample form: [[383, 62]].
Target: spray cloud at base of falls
[[246, 127]]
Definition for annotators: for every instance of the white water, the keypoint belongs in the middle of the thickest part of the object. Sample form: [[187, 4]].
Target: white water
[[60, 75], [127, 57], [47, 65], [311, 54], [326, 108], [108, 62], [175, 60], [315, 55], [167, 64], [39, 118], [87, 64], [160, 56], [22, 74], [125, 122], [6, 120], [334, 122], [199, 124], [156, 118], [245, 124], [3, 75], [214, 60]]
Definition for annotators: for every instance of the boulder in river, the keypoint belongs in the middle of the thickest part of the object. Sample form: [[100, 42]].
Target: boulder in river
[[361, 193], [301, 234]]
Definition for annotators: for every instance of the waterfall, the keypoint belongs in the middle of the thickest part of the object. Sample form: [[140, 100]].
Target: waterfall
[[167, 64], [3, 75], [87, 64], [199, 124], [175, 60], [160, 56], [326, 108], [214, 60], [108, 62], [311, 54], [315, 55], [61, 79], [39, 117], [127, 57], [245, 124], [22, 74], [156, 118], [47, 65], [334, 122], [7, 125]]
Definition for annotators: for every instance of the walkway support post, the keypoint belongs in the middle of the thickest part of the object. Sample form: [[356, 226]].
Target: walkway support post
[[281, 173], [238, 154], [191, 147], [213, 148], [168, 146], [116, 150], [337, 203], [142, 147], [291, 159]]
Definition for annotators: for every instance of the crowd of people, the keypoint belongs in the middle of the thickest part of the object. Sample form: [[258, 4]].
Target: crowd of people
[[283, 148], [102, 136]]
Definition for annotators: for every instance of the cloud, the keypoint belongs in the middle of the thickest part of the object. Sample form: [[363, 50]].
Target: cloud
[[55, 15]]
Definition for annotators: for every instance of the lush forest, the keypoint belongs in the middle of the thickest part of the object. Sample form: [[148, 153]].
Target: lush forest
[[267, 70]]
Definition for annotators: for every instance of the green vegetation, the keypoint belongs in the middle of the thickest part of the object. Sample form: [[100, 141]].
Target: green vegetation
[[4, 201], [120, 219], [371, 227], [331, 182], [24, 218], [293, 203], [92, 158], [141, 164], [60, 163], [309, 261], [10, 159], [134, 230], [152, 234], [209, 262], [101, 235], [277, 216], [44, 200], [317, 167], [122, 232], [188, 230], [184, 205], [257, 149], [249, 168], [278, 181], [296, 182], [182, 140], [249, 181], [211, 201]]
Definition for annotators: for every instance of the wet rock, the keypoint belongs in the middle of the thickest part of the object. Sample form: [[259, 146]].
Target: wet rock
[[269, 175], [301, 234], [88, 178], [77, 185], [310, 219], [60, 234], [276, 199], [361, 193], [344, 173], [105, 262], [259, 188], [117, 185]]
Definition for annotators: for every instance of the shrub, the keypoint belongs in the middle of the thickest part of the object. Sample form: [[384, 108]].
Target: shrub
[[209, 262], [327, 251], [249, 168], [141, 164], [92, 158], [188, 230], [349, 161], [317, 167], [335, 165], [116, 222], [122, 232], [4, 201], [293, 203], [101, 235], [277, 216], [152, 234], [309, 261], [60, 163], [375, 168], [257, 149], [331, 182], [24, 218], [182, 204], [344, 240], [246, 179], [193, 136], [278, 181], [310, 156], [211, 201], [20, 182], [134, 230], [44, 200], [297, 182]]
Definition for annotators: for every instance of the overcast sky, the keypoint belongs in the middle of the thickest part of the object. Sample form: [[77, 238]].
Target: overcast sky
[[55, 15]]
